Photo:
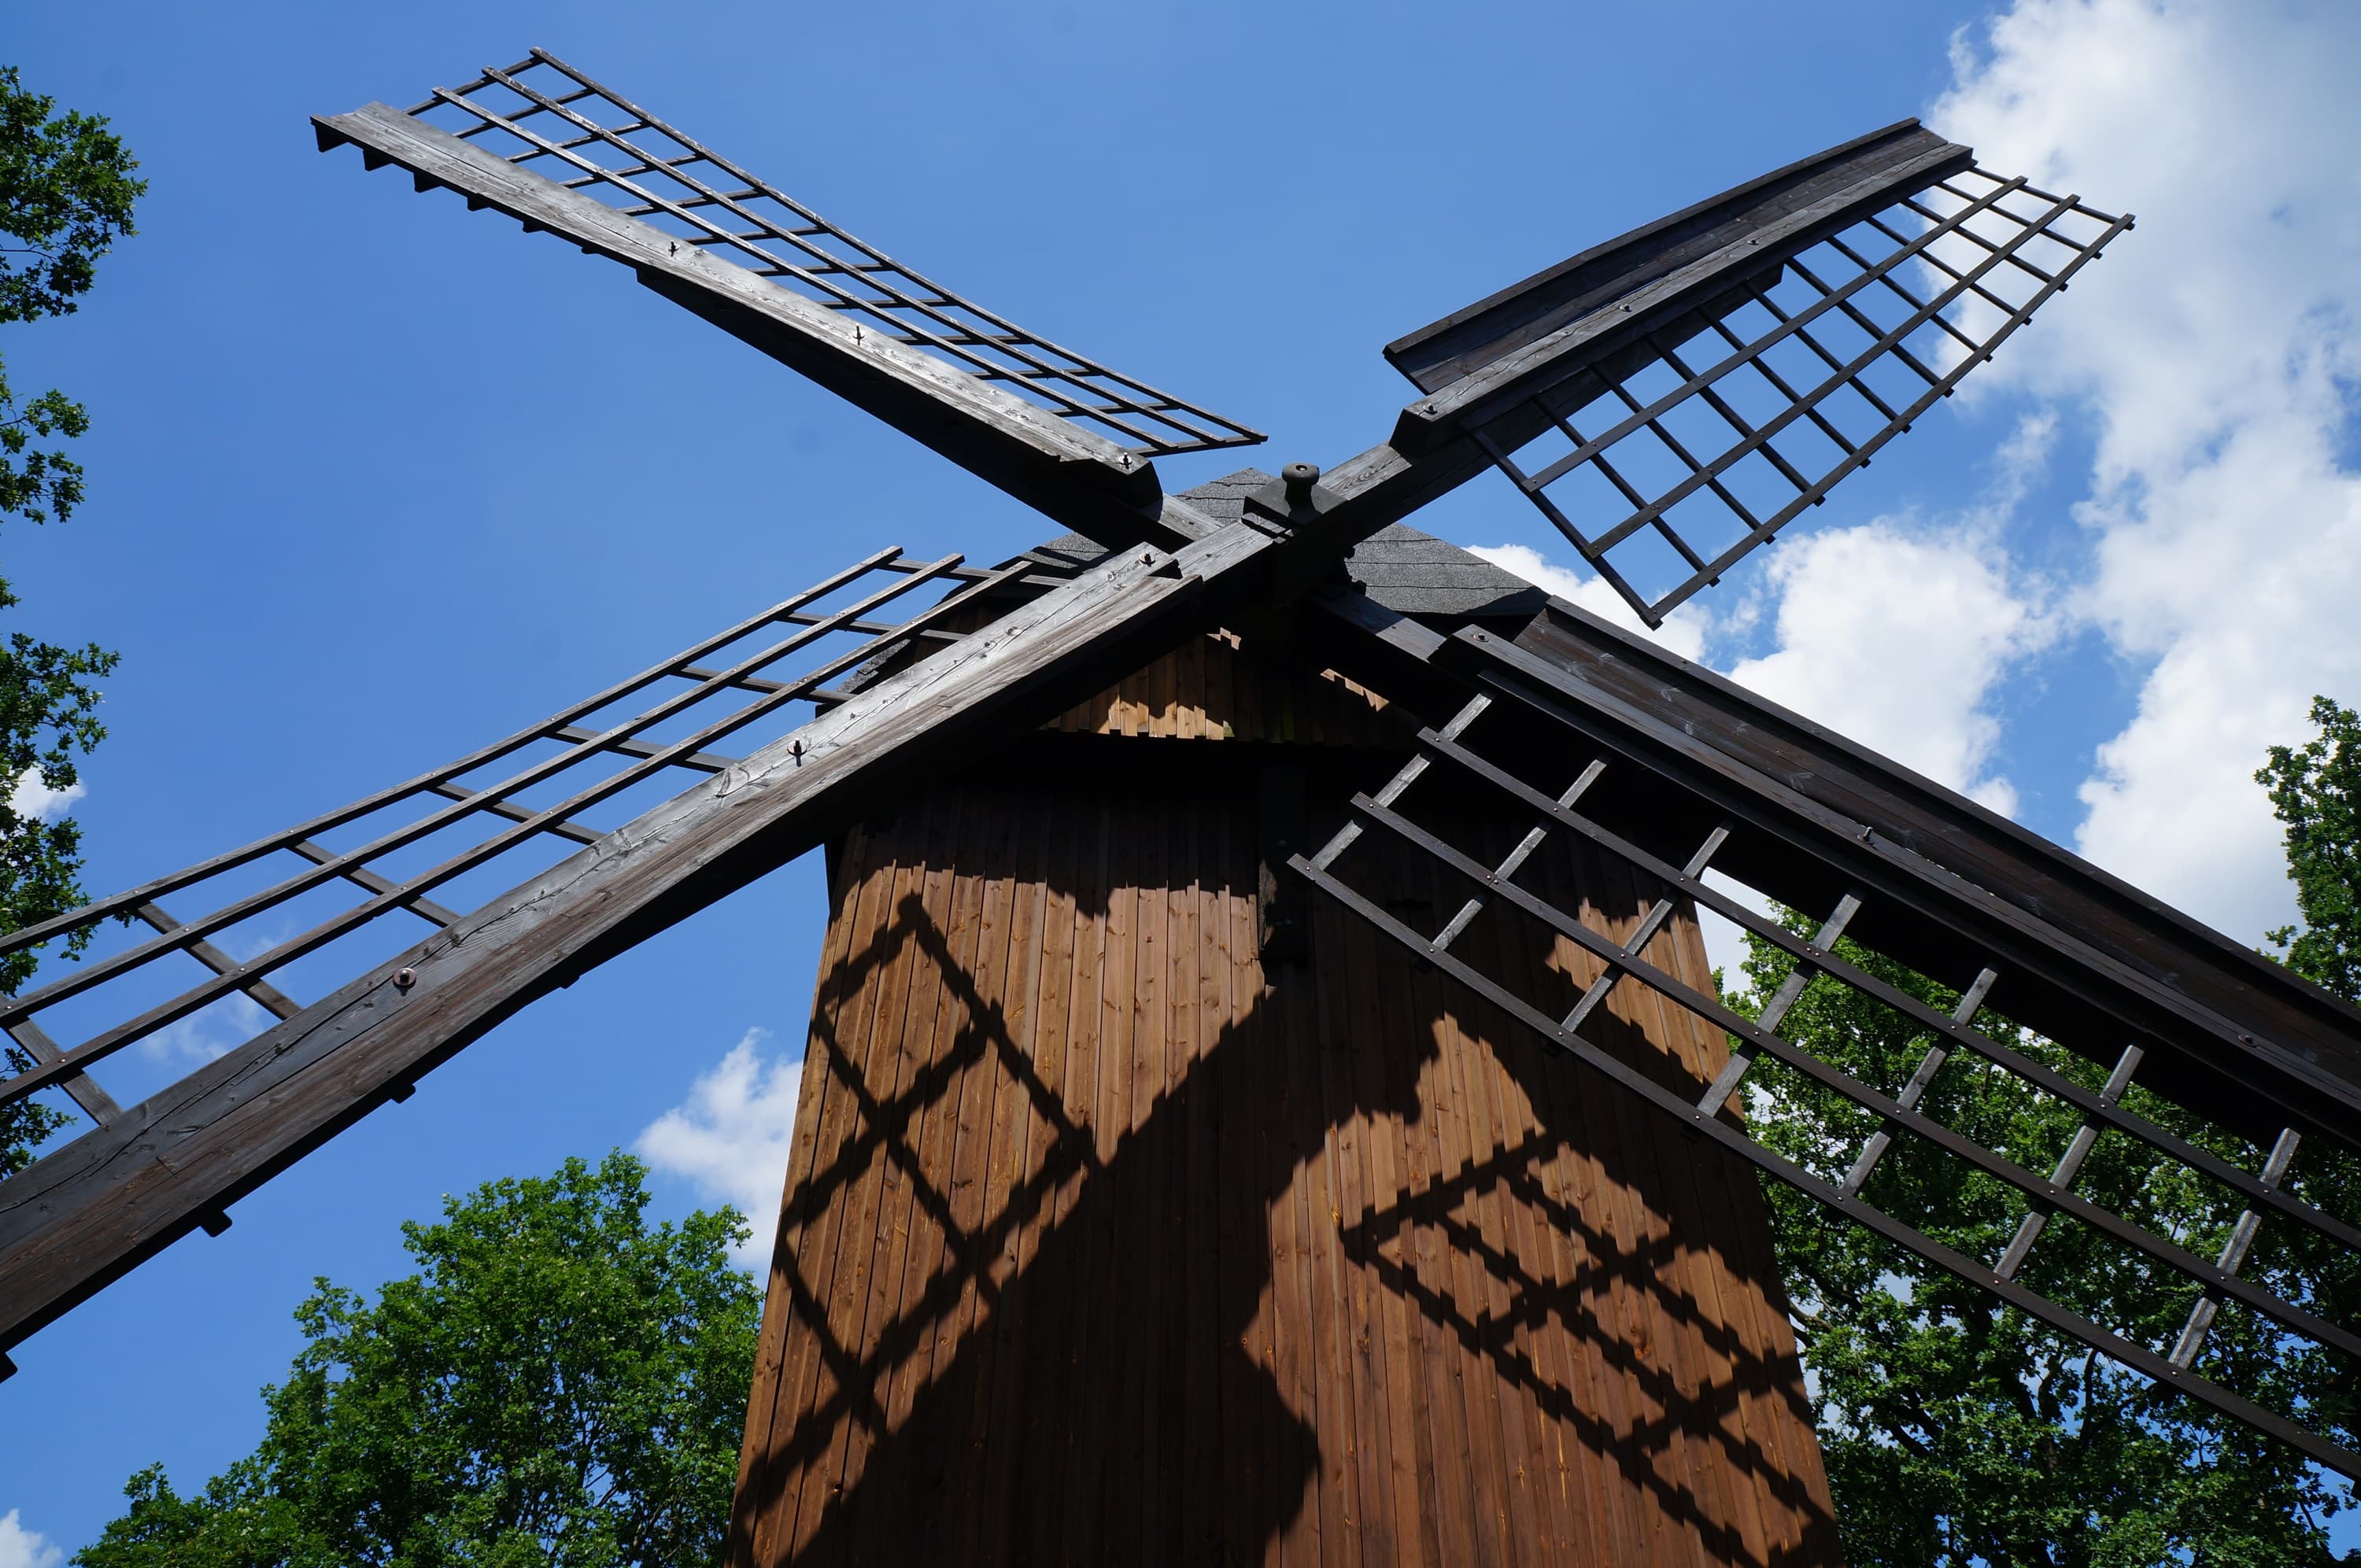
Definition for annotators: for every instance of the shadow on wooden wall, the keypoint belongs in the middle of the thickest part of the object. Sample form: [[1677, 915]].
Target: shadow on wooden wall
[[1099, 1248]]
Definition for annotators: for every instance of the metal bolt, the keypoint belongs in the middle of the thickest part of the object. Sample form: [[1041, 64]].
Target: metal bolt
[[403, 978]]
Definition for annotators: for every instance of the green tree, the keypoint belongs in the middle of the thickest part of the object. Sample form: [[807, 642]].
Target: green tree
[[2316, 791], [66, 195], [559, 1383], [1956, 1432]]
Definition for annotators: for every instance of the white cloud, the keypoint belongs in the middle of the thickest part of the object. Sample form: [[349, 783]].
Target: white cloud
[[22, 1548], [2218, 346], [1684, 632], [1896, 638], [730, 1138], [37, 802], [214, 1030]]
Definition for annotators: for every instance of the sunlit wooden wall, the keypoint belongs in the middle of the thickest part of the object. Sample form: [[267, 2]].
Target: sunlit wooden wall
[[1103, 1245]]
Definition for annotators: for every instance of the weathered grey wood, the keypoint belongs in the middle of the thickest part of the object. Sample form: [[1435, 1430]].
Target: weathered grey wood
[[1441, 352], [1571, 348], [361, 876], [97, 1103], [96, 1207], [1085, 481], [702, 761], [438, 779], [278, 1004]]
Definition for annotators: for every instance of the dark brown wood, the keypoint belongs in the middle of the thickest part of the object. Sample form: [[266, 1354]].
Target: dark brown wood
[[1073, 475], [1292, 1281], [1902, 157], [96, 1207]]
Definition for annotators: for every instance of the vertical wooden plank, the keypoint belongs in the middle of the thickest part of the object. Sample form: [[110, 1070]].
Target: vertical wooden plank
[[1319, 1356], [1461, 1276], [1145, 1182], [1207, 1046], [1553, 1380], [1061, 1497], [1600, 1192], [962, 1039], [913, 1034], [1454, 1485], [1090, 1465], [1185, 835], [1006, 973], [1543, 1226], [1221, 692], [1329, 1347], [1188, 663], [907, 1239], [1390, 1039], [1495, 1372], [1351, 1117], [1538, 1343], [1243, 1264], [1291, 1309], [1249, 722], [1031, 1384], [837, 1392], [800, 1208], [797, 1446]]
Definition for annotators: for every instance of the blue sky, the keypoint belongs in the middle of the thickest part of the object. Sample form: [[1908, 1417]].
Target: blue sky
[[374, 479]]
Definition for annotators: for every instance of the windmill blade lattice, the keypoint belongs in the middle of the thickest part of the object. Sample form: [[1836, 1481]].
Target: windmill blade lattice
[[1670, 399], [1848, 314], [544, 117], [353, 884], [2068, 1002]]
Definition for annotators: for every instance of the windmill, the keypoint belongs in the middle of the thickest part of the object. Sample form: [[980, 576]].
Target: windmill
[[1266, 1094]]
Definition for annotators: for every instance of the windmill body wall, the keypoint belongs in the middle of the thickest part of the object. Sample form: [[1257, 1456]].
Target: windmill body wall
[[1101, 1243]]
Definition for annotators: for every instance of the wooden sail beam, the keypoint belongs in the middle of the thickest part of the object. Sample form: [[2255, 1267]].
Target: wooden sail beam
[[1679, 770], [87, 1213]]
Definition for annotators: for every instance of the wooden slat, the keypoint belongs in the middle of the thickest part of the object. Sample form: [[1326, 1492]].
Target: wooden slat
[[1353, 1272], [93, 1207]]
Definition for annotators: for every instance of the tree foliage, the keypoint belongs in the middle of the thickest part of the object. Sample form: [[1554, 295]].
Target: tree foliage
[[66, 196], [1958, 1432], [2316, 791], [560, 1383]]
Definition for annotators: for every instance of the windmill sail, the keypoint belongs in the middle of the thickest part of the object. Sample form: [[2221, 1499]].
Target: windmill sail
[[549, 145], [1673, 399], [2201, 1065], [1689, 365], [354, 878]]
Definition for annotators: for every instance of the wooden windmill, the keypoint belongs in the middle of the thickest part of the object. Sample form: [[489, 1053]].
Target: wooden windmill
[[1266, 1096]]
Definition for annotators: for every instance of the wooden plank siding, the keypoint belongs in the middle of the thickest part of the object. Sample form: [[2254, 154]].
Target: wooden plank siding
[[1101, 1244]]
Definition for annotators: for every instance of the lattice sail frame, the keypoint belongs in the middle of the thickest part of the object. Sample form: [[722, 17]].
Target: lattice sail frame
[[1686, 439], [1619, 335], [544, 114], [1538, 741], [478, 823]]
